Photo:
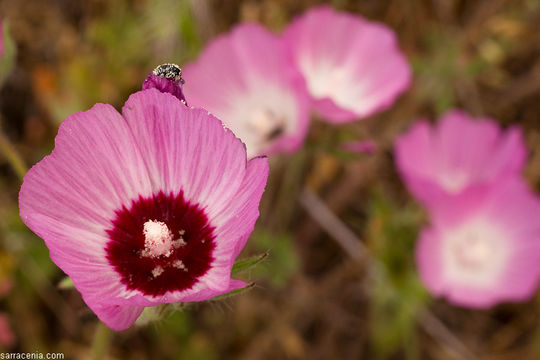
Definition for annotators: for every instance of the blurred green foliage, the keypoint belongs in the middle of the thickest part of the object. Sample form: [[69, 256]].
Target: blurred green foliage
[[445, 64], [120, 49], [180, 339], [397, 294], [282, 261]]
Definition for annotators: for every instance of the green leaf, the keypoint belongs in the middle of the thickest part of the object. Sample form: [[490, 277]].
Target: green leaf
[[248, 263]]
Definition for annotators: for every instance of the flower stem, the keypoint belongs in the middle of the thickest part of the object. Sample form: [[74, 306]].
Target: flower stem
[[102, 340], [12, 156]]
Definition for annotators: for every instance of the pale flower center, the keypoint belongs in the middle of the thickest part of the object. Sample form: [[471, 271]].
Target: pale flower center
[[454, 181], [475, 253], [158, 240], [265, 124], [339, 82]]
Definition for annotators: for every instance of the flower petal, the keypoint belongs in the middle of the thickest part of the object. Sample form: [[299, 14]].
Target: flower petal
[[103, 162], [117, 317], [458, 157], [70, 196], [233, 225], [240, 217], [353, 67], [186, 149], [246, 78], [505, 266]]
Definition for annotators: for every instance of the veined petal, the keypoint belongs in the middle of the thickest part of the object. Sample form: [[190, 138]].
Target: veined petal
[[247, 79], [353, 68], [129, 206], [117, 317], [186, 149], [239, 218], [483, 252], [458, 157], [71, 195]]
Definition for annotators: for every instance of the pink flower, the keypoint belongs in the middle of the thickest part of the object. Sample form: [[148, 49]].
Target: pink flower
[[148, 207], [246, 78], [458, 157], [353, 67], [477, 253], [7, 338]]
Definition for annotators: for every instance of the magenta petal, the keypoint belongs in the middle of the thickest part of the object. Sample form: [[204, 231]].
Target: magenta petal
[[7, 338], [459, 156], [69, 196], [234, 225], [209, 293], [121, 317], [171, 86], [353, 68], [188, 149], [117, 317], [245, 207], [487, 251], [246, 78], [134, 208]]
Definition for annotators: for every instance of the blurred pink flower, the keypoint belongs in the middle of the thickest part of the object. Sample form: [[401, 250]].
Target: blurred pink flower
[[148, 207], [7, 338], [458, 157], [479, 252], [353, 68], [247, 80]]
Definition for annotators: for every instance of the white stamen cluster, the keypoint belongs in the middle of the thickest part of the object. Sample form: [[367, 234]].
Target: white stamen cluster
[[158, 270], [158, 241]]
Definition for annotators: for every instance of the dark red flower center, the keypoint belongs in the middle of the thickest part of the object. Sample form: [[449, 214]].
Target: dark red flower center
[[160, 244]]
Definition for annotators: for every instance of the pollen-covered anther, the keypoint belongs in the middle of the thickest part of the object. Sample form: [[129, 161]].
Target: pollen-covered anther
[[158, 270], [178, 243], [180, 265], [158, 239]]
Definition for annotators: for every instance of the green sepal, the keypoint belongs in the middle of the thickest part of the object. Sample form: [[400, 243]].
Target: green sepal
[[248, 263], [234, 292]]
